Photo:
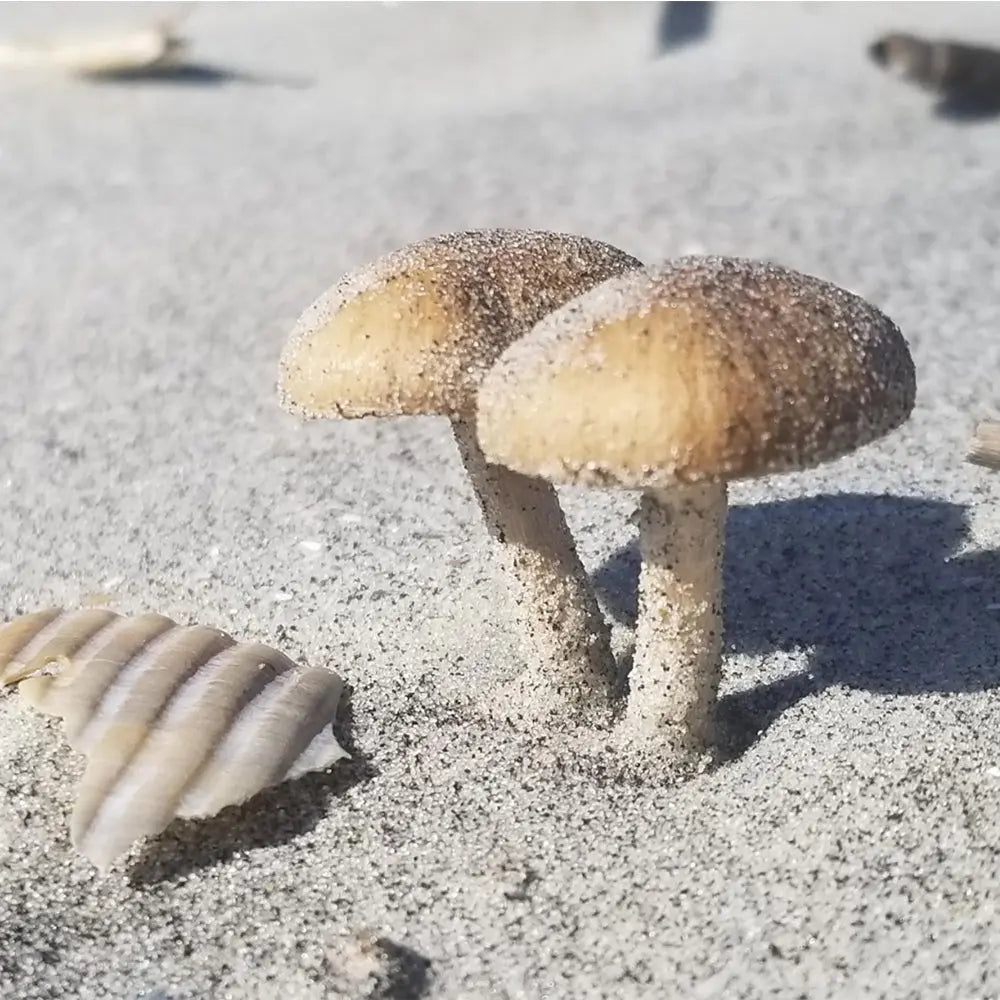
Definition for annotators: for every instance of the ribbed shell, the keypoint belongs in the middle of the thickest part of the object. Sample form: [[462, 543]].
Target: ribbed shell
[[174, 720], [415, 331]]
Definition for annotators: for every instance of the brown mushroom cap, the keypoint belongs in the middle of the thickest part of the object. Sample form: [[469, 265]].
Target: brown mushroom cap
[[698, 369], [415, 332]]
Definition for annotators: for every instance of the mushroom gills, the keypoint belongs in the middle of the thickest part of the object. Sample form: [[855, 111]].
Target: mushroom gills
[[175, 721]]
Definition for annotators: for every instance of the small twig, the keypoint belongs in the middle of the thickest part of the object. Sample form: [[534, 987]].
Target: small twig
[[984, 448]]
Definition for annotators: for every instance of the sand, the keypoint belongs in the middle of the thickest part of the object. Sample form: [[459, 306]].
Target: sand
[[158, 240]]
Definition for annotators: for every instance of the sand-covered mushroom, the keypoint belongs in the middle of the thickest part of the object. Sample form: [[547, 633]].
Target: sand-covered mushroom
[[414, 334], [674, 380]]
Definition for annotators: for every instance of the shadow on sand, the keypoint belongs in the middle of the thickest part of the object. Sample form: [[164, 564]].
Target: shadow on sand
[[197, 75], [967, 110], [405, 975], [870, 584], [680, 24]]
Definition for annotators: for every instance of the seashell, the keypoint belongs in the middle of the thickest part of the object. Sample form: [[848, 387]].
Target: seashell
[[174, 720], [984, 447], [141, 50]]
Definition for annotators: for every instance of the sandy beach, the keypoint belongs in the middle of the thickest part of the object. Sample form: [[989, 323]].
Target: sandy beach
[[158, 239]]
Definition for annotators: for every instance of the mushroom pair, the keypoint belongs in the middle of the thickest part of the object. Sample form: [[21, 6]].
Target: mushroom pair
[[563, 360]]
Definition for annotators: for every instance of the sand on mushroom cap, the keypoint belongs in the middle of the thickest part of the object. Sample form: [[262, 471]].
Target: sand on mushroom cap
[[414, 333], [674, 380]]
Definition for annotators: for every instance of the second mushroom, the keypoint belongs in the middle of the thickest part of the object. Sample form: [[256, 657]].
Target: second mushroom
[[674, 380], [414, 333]]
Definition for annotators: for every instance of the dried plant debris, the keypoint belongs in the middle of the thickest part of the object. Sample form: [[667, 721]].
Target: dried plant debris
[[176, 721], [949, 68], [145, 49], [984, 448]]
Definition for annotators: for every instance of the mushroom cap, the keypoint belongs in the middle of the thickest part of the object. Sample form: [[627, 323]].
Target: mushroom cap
[[704, 368], [416, 331]]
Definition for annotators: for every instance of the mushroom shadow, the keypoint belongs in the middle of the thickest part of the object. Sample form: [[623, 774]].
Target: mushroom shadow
[[871, 585], [196, 75], [274, 816]]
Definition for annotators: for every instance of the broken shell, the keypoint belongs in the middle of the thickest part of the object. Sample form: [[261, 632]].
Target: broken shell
[[175, 721], [144, 49], [984, 448]]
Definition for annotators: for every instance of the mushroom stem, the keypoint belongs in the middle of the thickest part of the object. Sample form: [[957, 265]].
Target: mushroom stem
[[678, 648], [573, 664]]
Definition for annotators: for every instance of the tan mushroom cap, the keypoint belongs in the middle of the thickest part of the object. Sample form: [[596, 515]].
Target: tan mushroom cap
[[704, 368], [415, 332]]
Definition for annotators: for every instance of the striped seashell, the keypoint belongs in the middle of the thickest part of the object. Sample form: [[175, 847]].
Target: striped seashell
[[174, 720]]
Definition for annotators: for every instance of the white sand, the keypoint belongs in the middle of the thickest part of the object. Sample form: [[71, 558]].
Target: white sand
[[156, 243]]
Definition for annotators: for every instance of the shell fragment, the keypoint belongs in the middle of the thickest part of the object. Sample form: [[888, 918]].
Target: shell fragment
[[174, 721]]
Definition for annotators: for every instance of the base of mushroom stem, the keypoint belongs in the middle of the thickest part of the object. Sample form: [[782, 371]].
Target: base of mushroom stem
[[659, 748]]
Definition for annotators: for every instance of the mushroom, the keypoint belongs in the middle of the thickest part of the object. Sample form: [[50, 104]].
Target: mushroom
[[414, 333], [674, 380]]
